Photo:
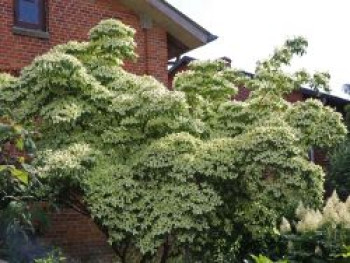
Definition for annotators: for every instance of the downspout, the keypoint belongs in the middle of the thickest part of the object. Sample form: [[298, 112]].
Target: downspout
[[146, 24], [146, 51]]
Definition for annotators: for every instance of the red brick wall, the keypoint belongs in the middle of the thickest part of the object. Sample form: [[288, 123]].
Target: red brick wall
[[172, 75], [243, 94], [71, 20], [78, 237], [295, 96]]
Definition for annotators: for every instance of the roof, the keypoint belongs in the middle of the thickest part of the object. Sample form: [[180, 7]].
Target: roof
[[185, 60], [326, 97], [184, 34], [179, 63]]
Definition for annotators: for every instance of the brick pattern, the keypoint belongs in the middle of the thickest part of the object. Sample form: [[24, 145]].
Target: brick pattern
[[321, 158], [72, 20], [243, 94], [78, 236], [172, 76], [295, 96]]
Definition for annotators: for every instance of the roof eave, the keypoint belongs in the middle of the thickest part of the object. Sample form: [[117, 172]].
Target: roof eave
[[177, 24], [182, 62], [328, 96], [184, 21]]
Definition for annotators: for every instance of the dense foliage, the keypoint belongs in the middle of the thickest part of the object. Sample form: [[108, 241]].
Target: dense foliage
[[16, 152], [339, 175], [19, 187], [174, 173], [339, 172], [263, 259]]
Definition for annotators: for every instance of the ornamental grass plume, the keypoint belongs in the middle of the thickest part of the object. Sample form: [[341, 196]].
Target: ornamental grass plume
[[320, 235], [334, 214], [311, 221], [285, 226]]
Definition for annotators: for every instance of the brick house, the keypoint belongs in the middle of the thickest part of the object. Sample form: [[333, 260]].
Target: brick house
[[29, 28], [316, 155]]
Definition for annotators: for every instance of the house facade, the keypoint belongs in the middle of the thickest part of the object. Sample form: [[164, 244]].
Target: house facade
[[29, 28]]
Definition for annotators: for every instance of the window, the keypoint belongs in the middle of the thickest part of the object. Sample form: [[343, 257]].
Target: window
[[30, 14]]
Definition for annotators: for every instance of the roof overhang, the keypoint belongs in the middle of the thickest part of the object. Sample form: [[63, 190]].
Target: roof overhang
[[180, 63], [327, 98], [183, 33]]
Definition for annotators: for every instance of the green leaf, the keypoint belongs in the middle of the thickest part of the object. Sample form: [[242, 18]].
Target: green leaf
[[20, 144], [20, 175]]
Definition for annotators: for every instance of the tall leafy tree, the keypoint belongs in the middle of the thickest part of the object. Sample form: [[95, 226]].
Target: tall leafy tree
[[174, 173], [338, 178]]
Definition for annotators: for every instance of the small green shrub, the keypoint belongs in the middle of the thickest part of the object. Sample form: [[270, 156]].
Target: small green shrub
[[55, 256], [263, 259]]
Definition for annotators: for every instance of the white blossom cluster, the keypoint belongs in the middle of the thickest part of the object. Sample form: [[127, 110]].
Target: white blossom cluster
[[334, 214]]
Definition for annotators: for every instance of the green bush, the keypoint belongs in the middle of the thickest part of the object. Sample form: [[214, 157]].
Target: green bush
[[339, 174], [166, 173], [16, 153], [55, 256], [263, 259], [338, 178], [19, 188]]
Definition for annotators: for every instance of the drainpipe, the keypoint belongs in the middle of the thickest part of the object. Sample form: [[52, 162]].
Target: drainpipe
[[146, 24]]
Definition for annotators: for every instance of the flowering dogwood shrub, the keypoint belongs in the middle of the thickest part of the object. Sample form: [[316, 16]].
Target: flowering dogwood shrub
[[171, 173]]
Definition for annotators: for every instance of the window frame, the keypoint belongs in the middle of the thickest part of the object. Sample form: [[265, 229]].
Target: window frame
[[40, 26]]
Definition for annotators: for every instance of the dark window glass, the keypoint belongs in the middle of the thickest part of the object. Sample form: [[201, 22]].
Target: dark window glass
[[30, 14], [28, 11]]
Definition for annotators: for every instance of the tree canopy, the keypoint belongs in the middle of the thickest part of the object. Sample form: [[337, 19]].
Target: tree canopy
[[338, 178], [182, 172]]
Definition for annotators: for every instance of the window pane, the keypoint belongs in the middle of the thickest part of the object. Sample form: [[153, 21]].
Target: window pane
[[28, 11]]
